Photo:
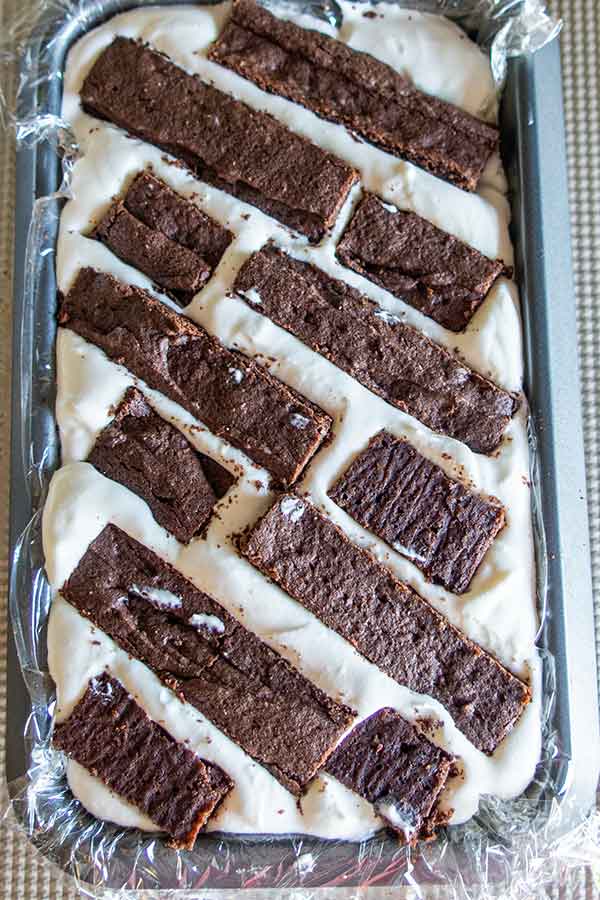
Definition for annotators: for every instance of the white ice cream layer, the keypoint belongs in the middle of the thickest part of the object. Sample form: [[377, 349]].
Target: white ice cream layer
[[499, 611]]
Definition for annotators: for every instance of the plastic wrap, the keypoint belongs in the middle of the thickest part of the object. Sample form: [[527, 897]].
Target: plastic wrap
[[510, 848]]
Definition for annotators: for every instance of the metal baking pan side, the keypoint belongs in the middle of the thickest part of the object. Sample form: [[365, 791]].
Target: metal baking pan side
[[534, 155]]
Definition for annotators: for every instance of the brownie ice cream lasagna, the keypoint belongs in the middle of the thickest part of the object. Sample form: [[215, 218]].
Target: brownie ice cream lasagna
[[290, 540]]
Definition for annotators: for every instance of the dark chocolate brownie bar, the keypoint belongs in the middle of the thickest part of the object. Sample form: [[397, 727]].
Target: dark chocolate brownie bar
[[392, 765], [416, 262], [206, 657], [389, 623], [178, 271], [161, 208], [409, 502], [355, 90], [114, 739], [247, 153], [164, 236], [235, 397], [153, 459], [393, 360]]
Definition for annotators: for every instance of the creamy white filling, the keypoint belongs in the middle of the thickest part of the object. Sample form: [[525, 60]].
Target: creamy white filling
[[398, 817], [158, 596], [210, 623], [498, 612]]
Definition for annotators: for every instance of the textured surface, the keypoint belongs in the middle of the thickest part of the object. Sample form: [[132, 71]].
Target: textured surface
[[347, 87], [23, 873], [391, 625], [443, 527], [231, 394], [113, 738], [206, 657], [396, 362], [141, 450], [247, 154], [391, 764], [432, 270], [165, 236]]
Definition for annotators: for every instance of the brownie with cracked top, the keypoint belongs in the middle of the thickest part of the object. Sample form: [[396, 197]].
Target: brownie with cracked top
[[391, 625], [165, 236], [356, 90], [418, 263], [152, 458], [249, 691], [225, 143], [238, 399], [111, 736], [405, 499], [392, 359]]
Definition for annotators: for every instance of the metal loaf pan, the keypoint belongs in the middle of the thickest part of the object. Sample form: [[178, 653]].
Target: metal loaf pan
[[534, 156]]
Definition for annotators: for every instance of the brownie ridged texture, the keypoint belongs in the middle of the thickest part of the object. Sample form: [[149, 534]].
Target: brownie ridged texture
[[356, 90], [221, 140], [310, 558], [235, 397], [418, 263], [153, 459], [409, 502], [392, 765], [244, 687], [113, 738], [394, 360], [165, 236]]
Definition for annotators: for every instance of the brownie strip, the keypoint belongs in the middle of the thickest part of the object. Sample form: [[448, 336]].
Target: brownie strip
[[418, 263], [356, 90], [114, 739], [410, 503], [159, 207], [393, 360], [177, 270], [235, 397], [392, 765], [390, 624], [207, 658], [247, 153], [166, 243], [153, 459]]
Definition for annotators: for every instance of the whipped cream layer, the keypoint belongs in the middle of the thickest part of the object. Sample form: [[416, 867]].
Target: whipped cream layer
[[499, 612]]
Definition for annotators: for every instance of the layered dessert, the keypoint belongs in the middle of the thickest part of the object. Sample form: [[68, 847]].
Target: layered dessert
[[290, 539]]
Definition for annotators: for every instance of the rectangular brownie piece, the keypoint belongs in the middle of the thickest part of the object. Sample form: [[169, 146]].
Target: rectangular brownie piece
[[113, 738], [165, 236], [179, 272], [418, 263], [389, 763], [161, 208], [394, 360], [206, 657], [153, 459], [410, 503], [235, 397], [311, 559], [242, 151], [356, 90]]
